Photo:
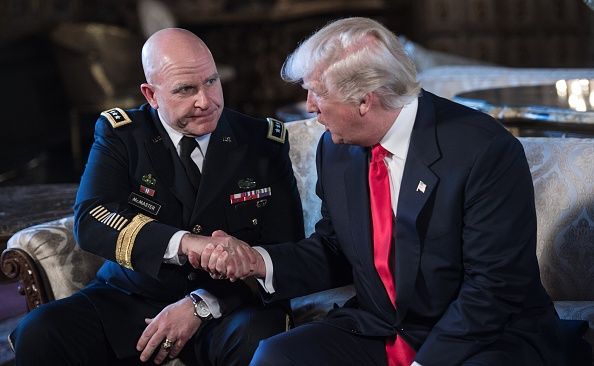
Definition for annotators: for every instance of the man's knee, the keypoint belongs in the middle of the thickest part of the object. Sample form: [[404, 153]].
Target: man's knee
[[35, 330], [270, 352], [236, 339]]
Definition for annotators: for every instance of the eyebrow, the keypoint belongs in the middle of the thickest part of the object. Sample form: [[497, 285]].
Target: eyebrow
[[178, 87], [213, 76]]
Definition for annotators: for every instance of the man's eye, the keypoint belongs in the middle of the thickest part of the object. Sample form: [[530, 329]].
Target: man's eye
[[184, 90], [211, 81]]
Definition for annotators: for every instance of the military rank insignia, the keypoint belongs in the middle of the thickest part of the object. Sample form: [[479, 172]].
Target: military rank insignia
[[116, 117], [111, 219], [276, 130], [250, 195]]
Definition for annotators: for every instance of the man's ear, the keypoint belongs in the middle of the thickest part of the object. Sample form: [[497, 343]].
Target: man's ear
[[365, 103], [149, 93]]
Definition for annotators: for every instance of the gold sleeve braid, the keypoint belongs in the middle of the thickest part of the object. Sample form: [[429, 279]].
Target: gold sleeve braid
[[127, 239]]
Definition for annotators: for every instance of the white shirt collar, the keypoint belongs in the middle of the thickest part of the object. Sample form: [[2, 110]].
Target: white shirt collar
[[397, 139], [176, 136]]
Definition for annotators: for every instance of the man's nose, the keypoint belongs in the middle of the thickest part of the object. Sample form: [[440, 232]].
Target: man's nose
[[311, 104], [201, 100]]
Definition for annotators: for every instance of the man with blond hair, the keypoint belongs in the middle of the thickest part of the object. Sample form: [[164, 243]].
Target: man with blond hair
[[427, 208]]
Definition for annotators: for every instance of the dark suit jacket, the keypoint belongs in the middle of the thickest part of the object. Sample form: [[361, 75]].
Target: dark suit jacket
[[465, 249], [240, 158]]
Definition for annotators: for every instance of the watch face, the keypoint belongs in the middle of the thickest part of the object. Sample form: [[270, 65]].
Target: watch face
[[202, 309]]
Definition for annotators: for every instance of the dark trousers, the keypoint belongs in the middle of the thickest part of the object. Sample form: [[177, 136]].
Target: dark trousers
[[318, 343], [69, 332]]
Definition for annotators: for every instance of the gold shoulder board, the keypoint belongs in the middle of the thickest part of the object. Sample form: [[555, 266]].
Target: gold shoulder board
[[276, 130], [117, 117]]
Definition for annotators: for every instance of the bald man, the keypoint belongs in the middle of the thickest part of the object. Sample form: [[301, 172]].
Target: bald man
[[159, 181]]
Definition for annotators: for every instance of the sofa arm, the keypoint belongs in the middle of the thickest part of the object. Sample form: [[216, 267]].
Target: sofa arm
[[47, 262], [16, 263]]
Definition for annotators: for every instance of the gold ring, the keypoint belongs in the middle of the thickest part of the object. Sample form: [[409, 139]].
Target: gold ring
[[167, 344]]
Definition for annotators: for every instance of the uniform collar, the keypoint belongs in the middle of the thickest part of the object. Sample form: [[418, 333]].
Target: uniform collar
[[176, 136]]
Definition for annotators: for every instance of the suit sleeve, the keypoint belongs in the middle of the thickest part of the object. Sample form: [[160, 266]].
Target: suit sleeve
[[105, 224], [499, 259], [312, 264]]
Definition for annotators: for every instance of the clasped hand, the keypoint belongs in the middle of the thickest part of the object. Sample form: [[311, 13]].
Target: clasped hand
[[226, 257]]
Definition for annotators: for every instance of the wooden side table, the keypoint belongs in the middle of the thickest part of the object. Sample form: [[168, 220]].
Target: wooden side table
[[24, 206]]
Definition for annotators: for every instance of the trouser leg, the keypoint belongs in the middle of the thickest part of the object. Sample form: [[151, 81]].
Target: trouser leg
[[318, 343], [233, 339], [62, 332]]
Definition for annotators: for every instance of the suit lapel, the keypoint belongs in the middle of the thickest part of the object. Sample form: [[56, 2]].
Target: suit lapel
[[357, 198], [161, 153], [222, 159], [418, 183]]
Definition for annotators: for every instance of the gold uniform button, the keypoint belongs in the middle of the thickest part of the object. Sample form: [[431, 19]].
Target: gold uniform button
[[255, 222], [197, 229]]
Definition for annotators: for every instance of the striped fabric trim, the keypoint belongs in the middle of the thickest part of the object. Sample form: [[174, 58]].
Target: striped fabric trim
[[111, 219]]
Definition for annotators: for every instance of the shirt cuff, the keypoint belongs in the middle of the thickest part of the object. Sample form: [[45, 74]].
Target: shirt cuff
[[211, 301], [171, 254], [415, 363], [267, 282]]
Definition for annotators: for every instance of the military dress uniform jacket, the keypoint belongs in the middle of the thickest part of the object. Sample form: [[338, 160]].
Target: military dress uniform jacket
[[134, 195]]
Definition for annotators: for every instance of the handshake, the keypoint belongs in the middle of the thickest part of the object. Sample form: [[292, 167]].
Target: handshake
[[223, 256]]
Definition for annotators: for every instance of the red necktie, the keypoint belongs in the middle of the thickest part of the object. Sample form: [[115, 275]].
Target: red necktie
[[398, 352]]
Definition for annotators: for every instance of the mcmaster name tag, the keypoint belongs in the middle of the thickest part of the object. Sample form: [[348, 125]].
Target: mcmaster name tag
[[144, 204]]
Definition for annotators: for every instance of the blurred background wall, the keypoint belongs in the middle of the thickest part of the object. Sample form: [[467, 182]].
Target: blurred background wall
[[64, 61]]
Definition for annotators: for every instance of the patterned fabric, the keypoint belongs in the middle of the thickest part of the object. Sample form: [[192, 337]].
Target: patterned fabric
[[447, 81], [67, 267], [303, 137], [563, 175]]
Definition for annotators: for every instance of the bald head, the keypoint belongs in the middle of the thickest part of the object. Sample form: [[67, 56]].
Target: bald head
[[168, 47], [183, 84]]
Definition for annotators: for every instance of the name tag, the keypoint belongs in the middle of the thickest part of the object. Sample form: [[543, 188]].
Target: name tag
[[144, 203]]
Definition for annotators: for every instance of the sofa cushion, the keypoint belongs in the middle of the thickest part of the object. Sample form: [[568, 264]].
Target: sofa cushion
[[303, 137], [562, 172]]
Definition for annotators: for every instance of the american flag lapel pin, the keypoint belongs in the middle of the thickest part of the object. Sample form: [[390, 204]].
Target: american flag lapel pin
[[421, 187]]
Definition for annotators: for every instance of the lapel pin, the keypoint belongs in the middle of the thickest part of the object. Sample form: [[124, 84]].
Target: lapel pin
[[226, 139], [157, 139], [421, 187]]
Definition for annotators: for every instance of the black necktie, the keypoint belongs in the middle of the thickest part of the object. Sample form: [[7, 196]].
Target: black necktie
[[187, 145]]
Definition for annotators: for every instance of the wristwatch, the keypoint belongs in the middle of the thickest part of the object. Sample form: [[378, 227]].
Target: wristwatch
[[201, 309]]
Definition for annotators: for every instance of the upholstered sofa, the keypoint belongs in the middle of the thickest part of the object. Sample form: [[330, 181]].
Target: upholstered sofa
[[50, 265]]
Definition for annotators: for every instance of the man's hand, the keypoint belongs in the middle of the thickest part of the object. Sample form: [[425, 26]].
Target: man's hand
[[230, 258], [196, 243], [176, 323]]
